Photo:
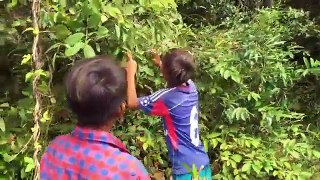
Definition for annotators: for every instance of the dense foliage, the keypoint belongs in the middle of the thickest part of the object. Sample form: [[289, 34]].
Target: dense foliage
[[258, 87]]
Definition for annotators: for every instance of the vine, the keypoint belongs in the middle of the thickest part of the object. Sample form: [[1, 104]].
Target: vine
[[37, 65], [259, 109]]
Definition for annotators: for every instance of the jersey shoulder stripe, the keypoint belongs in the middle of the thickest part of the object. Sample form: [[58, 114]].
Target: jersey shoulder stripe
[[159, 94]]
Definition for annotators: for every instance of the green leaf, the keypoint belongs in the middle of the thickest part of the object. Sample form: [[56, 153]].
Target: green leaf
[[94, 20], [112, 11], [128, 9], [295, 154], [74, 39], [8, 158], [29, 168], [28, 160], [2, 125], [4, 105], [45, 117], [118, 32], [246, 167], [194, 171], [316, 154], [103, 18], [73, 49], [96, 5], [61, 31], [187, 167], [145, 146], [63, 3], [214, 143], [88, 51], [102, 31], [26, 59], [236, 78], [226, 74], [147, 70], [205, 144], [257, 166], [236, 157], [305, 175], [28, 76]]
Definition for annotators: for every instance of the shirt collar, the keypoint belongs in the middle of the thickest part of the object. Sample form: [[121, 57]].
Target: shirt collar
[[189, 88], [98, 136]]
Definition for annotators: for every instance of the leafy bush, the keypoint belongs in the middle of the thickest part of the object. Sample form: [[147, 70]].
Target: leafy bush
[[249, 70], [247, 79]]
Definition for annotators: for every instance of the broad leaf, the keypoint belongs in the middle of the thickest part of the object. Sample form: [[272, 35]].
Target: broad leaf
[[94, 20], [73, 49], [74, 39], [102, 31], [61, 31], [2, 125], [246, 167], [236, 157], [88, 51], [63, 3], [112, 11]]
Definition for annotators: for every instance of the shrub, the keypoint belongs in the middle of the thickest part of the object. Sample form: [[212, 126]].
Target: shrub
[[247, 83]]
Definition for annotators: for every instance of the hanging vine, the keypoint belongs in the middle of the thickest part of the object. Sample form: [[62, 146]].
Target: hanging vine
[[37, 65]]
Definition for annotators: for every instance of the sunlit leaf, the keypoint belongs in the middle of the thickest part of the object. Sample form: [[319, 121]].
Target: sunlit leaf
[[246, 167], [102, 31], [74, 39], [112, 11], [236, 157], [73, 49], [2, 125], [88, 51], [63, 3]]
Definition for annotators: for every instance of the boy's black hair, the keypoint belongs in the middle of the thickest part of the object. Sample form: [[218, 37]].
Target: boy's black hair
[[178, 67], [96, 88]]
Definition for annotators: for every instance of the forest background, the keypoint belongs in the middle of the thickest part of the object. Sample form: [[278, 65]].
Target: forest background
[[258, 79]]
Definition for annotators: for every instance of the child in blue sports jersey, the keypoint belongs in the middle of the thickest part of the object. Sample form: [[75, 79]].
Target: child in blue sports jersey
[[178, 107]]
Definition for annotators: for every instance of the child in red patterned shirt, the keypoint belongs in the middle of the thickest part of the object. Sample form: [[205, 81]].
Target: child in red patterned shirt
[[96, 90]]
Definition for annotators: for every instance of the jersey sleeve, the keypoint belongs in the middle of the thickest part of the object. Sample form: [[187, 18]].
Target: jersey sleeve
[[154, 104]]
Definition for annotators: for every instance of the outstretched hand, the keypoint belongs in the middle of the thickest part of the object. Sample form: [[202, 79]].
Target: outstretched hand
[[155, 57]]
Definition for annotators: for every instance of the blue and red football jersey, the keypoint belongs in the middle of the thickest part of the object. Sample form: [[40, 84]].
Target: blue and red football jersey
[[178, 108]]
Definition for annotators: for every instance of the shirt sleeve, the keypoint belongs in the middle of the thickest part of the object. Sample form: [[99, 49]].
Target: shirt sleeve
[[142, 172], [154, 104]]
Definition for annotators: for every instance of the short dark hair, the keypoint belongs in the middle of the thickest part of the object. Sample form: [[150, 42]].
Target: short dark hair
[[178, 66], [95, 90]]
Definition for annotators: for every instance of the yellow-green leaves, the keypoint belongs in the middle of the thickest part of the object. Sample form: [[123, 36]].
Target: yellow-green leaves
[[114, 12], [2, 125], [30, 164], [74, 39], [26, 59], [88, 51], [72, 50]]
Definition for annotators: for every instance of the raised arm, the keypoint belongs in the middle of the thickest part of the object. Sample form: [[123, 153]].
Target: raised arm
[[131, 92]]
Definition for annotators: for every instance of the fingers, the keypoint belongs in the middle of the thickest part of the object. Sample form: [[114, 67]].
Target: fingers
[[154, 52], [129, 56]]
